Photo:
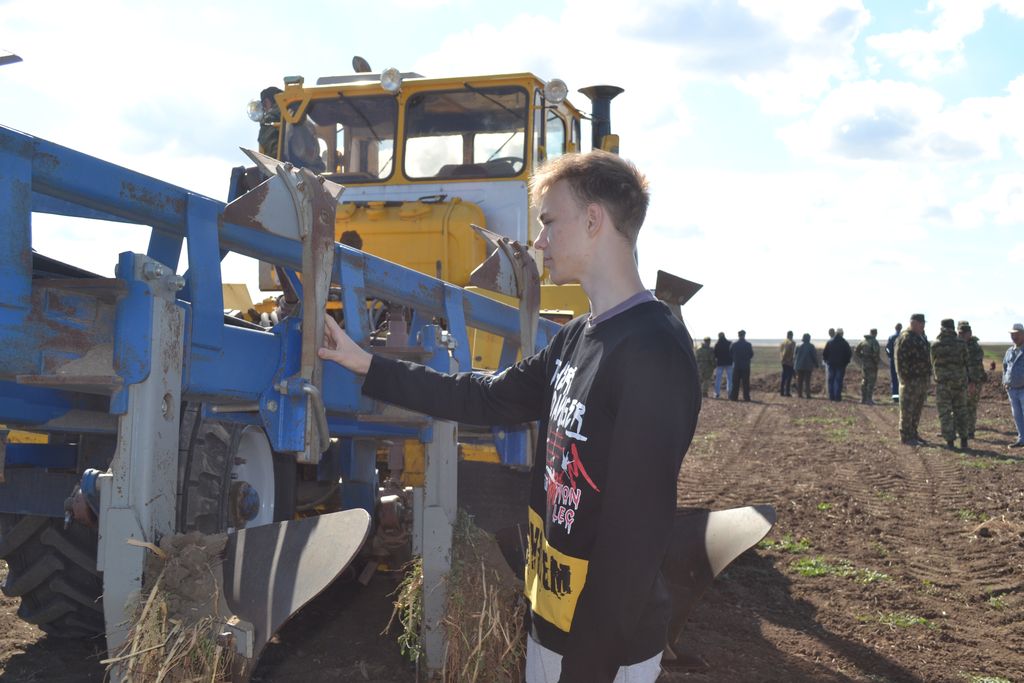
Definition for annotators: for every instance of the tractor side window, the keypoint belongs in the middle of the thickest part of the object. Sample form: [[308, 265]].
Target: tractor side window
[[554, 136], [348, 139], [467, 133]]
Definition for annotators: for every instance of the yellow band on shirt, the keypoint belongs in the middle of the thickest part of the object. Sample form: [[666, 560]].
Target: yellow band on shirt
[[554, 580]]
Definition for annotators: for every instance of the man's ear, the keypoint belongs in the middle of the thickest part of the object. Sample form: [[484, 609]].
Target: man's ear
[[596, 217]]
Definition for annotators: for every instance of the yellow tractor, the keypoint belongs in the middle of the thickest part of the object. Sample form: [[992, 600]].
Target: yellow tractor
[[425, 159]]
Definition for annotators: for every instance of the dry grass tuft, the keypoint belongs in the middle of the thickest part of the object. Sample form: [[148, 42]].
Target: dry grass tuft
[[484, 615], [175, 625]]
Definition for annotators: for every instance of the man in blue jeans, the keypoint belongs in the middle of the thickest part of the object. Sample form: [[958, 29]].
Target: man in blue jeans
[[837, 355], [1013, 380], [890, 350]]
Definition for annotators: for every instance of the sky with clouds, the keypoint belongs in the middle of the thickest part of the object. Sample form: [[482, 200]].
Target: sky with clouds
[[814, 163]]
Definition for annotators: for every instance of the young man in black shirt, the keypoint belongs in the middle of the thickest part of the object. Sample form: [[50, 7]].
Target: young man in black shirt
[[616, 394]]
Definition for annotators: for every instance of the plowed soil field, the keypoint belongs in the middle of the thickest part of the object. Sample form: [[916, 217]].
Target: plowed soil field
[[888, 562]]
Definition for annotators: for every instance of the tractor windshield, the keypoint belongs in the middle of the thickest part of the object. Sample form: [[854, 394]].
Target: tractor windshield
[[466, 133], [349, 139]]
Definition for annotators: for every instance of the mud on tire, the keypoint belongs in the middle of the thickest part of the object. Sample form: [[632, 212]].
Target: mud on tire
[[54, 573]]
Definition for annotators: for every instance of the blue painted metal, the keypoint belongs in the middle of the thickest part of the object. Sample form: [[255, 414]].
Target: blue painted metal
[[132, 333], [220, 362], [358, 476], [16, 162], [511, 444], [58, 456], [203, 276], [89, 486], [248, 502], [35, 491]]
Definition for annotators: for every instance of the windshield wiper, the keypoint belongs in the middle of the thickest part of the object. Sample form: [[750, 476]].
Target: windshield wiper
[[484, 94]]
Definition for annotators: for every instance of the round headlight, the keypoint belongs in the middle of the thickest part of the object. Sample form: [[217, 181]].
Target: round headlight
[[255, 110], [391, 79], [555, 91]]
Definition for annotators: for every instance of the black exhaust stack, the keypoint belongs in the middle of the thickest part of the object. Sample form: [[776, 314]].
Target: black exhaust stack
[[601, 118]]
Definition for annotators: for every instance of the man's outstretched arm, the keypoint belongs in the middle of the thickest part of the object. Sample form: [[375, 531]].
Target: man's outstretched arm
[[516, 395]]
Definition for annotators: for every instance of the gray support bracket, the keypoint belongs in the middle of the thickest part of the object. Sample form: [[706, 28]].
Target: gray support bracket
[[138, 493], [434, 517]]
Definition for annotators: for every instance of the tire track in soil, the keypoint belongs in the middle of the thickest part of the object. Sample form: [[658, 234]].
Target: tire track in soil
[[712, 473], [941, 552]]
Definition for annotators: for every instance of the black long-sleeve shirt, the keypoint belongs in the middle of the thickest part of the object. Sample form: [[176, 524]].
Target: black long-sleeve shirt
[[617, 404]]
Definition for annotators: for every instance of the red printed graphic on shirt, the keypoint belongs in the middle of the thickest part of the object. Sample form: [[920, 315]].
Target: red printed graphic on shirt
[[565, 471]]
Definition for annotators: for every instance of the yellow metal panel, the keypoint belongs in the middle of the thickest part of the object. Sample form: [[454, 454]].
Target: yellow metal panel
[[18, 436], [415, 463], [476, 452], [236, 297], [560, 303], [432, 238]]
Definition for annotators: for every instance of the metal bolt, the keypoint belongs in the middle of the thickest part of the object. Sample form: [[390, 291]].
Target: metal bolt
[[272, 406], [177, 283], [152, 270], [288, 166]]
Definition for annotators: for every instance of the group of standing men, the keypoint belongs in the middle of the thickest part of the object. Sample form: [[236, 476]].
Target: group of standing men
[[956, 361], [729, 358]]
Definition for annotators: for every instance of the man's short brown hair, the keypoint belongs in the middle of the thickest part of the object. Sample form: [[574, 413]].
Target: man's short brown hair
[[599, 177]]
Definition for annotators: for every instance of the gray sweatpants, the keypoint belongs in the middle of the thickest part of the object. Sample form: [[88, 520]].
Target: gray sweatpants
[[545, 666]]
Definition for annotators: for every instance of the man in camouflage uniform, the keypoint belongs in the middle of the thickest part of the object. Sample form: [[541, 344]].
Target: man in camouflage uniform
[[976, 374], [949, 363], [270, 120], [914, 367], [868, 354], [705, 365]]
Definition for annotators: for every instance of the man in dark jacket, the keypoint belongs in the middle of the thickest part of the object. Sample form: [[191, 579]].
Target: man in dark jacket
[[837, 355], [806, 360], [742, 353], [723, 364]]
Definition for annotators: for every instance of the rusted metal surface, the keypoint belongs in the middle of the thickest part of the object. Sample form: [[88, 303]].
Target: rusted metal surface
[[512, 270], [298, 204], [673, 289], [154, 200]]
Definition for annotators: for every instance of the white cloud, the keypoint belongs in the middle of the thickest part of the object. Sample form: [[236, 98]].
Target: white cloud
[[927, 54], [1016, 254], [785, 54], [889, 120]]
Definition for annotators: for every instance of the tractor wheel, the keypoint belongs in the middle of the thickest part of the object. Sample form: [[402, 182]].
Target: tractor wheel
[[53, 571], [230, 477]]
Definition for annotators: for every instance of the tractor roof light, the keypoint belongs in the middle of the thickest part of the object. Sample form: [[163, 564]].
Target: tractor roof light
[[555, 91], [391, 79], [254, 110]]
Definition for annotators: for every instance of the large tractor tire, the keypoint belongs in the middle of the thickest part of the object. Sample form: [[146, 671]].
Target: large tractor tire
[[53, 571]]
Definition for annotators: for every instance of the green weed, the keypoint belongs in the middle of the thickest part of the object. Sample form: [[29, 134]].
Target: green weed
[[824, 507], [787, 544], [886, 496], [966, 515], [996, 602], [818, 566], [985, 678], [903, 620]]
